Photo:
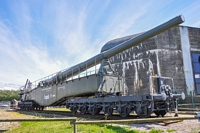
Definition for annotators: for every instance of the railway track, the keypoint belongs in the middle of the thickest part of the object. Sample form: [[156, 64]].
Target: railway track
[[101, 116], [52, 113]]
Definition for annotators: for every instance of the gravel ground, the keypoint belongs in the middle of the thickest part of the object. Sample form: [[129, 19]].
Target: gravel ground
[[186, 126], [11, 115]]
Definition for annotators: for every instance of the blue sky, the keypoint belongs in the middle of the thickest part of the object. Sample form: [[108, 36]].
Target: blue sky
[[40, 37]]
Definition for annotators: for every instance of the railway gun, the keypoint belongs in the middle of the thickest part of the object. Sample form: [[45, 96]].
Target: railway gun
[[102, 90]]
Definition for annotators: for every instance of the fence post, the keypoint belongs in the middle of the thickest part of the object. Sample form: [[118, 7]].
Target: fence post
[[74, 127], [74, 124]]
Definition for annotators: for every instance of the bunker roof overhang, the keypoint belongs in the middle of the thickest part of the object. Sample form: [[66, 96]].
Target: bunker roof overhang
[[120, 40]]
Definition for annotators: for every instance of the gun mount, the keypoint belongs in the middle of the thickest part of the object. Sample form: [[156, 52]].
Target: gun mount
[[104, 86]]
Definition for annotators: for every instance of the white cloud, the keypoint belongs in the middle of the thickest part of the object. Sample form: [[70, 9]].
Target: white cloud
[[20, 59], [70, 31], [191, 14], [122, 19], [40, 39], [196, 24], [4, 86]]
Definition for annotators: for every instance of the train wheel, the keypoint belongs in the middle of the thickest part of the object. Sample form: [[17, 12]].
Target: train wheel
[[94, 111], [124, 112], [109, 111], [160, 113], [83, 110], [146, 113], [74, 110], [163, 113], [123, 115], [143, 111], [157, 113]]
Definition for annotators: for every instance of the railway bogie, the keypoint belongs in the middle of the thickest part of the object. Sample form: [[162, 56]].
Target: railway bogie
[[29, 105]]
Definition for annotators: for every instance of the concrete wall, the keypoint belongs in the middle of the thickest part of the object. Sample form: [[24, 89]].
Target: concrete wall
[[167, 54]]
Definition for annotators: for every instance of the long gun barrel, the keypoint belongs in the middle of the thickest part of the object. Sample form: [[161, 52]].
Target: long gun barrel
[[74, 70]]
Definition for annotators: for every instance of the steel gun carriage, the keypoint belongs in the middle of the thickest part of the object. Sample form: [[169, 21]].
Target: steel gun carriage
[[103, 89]]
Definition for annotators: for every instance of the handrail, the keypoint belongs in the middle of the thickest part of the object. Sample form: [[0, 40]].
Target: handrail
[[83, 74]]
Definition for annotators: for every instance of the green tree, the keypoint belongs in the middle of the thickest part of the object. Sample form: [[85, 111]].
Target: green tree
[[8, 95]]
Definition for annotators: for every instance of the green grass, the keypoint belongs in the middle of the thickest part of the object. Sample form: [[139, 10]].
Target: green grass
[[65, 127], [171, 130], [156, 131], [59, 109]]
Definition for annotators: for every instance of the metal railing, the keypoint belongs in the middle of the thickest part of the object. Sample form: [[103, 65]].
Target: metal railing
[[80, 75]]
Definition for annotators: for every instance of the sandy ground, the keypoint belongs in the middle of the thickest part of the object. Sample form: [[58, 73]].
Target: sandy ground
[[11, 115]]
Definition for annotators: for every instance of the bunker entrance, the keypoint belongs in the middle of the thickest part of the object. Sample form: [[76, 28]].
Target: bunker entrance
[[196, 70]]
